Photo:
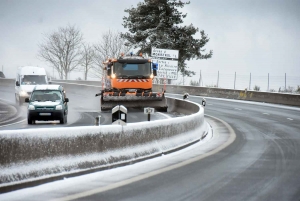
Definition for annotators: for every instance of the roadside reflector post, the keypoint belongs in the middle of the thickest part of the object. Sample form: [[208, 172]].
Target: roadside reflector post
[[119, 115], [97, 123], [148, 111]]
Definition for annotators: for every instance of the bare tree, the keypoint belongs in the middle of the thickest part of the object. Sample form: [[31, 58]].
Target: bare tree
[[62, 49], [87, 60], [111, 45]]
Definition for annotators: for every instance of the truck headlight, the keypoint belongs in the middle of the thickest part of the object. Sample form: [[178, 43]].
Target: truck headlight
[[58, 107], [31, 107], [113, 76]]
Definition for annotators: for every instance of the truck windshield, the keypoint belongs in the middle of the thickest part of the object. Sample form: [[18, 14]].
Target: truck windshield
[[33, 79], [46, 95], [132, 70]]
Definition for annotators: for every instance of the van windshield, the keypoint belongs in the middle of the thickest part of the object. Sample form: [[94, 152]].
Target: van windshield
[[33, 79], [46, 95]]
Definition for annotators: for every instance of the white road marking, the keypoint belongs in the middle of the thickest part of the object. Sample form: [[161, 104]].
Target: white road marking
[[13, 123], [3, 112], [237, 109], [290, 119], [266, 113], [168, 117]]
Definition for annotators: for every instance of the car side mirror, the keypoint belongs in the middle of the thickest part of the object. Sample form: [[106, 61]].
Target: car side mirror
[[66, 100], [26, 100], [17, 83]]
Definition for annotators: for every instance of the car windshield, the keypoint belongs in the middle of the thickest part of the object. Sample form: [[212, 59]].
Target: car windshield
[[127, 69], [46, 95], [33, 79]]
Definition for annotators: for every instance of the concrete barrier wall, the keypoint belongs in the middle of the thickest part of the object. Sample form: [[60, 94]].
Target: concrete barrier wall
[[267, 97], [7, 82], [35, 153], [277, 98]]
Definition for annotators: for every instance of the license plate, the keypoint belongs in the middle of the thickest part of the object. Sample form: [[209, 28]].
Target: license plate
[[45, 114]]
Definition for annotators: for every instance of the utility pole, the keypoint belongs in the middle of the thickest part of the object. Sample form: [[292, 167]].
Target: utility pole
[[268, 82], [250, 83], [285, 81], [200, 79], [234, 80], [218, 80]]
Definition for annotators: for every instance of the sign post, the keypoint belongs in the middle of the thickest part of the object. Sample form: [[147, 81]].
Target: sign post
[[148, 110]]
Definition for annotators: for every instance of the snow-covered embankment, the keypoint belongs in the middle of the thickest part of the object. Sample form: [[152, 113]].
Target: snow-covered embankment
[[34, 154]]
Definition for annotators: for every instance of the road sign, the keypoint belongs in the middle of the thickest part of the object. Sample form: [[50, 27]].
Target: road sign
[[169, 65], [167, 75], [148, 110], [166, 68], [164, 53]]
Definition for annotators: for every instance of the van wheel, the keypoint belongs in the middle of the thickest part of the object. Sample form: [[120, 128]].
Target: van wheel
[[18, 101]]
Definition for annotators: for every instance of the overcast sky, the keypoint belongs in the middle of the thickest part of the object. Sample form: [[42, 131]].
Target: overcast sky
[[247, 36]]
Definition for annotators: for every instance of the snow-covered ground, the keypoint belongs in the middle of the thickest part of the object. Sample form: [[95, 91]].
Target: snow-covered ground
[[110, 179]]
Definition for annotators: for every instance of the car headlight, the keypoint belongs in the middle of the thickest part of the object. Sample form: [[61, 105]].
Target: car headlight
[[23, 93], [58, 107], [31, 107]]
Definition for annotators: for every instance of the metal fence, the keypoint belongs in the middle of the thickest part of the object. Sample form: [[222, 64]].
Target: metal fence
[[269, 82]]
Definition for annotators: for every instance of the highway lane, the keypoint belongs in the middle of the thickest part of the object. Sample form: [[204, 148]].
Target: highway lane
[[84, 107], [261, 164]]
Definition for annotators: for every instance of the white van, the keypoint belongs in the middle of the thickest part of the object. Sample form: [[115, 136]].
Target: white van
[[27, 78]]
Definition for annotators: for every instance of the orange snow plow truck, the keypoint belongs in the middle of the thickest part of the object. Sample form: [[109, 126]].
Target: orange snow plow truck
[[129, 83]]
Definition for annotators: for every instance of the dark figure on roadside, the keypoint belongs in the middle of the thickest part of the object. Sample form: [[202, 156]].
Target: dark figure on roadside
[[185, 96]]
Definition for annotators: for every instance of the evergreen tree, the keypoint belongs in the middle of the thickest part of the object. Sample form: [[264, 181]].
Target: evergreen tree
[[156, 23]]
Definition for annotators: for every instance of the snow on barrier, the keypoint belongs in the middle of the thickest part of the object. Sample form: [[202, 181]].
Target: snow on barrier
[[33, 154], [7, 82]]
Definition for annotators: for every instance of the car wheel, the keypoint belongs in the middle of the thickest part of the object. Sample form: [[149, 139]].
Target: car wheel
[[29, 120], [63, 120]]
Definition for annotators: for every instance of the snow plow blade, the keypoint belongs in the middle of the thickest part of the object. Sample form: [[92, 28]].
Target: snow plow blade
[[159, 103]]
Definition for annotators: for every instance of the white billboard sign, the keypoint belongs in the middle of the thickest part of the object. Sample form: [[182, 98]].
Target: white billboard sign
[[166, 68], [164, 53]]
